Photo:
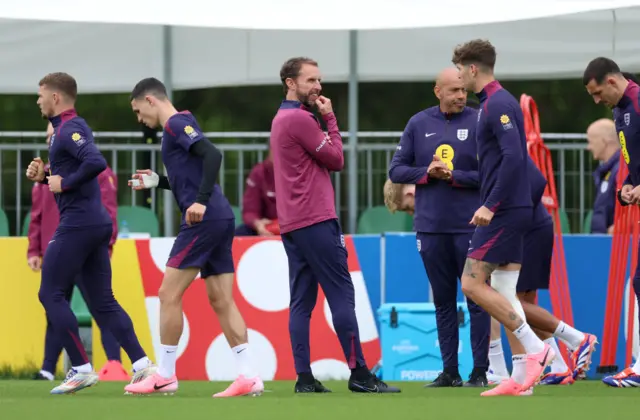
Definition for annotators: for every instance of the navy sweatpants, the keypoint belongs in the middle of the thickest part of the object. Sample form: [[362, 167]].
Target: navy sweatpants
[[443, 256], [53, 344], [81, 255], [317, 255]]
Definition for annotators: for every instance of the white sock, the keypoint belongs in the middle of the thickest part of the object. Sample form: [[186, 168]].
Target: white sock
[[142, 363], [47, 375], [636, 366], [86, 368], [242, 354], [569, 335], [558, 365], [532, 344], [168, 357], [496, 358], [519, 374]]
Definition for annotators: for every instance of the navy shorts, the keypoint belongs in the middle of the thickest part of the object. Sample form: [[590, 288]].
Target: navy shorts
[[536, 265], [206, 245], [502, 241]]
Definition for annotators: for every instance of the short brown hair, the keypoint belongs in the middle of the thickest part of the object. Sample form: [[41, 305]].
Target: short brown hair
[[291, 69], [478, 51], [393, 195], [63, 82]]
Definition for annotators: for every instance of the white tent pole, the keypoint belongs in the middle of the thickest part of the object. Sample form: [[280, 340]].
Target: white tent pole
[[615, 35], [353, 131], [167, 77]]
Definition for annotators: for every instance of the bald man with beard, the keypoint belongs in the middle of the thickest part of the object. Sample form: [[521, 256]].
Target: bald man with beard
[[437, 153], [602, 142]]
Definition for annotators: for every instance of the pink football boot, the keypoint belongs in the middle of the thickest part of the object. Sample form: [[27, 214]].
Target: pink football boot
[[152, 384], [243, 386]]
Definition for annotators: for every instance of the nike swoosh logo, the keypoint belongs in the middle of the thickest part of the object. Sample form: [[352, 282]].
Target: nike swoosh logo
[[156, 387], [429, 134], [364, 388], [240, 351], [544, 361]]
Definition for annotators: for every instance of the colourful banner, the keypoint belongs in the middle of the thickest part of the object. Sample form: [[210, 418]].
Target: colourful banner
[[261, 292], [23, 321]]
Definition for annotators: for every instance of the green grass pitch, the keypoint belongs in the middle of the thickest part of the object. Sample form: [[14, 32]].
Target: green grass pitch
[[26, 400]]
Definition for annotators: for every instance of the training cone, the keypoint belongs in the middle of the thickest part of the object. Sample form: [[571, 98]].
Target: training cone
[[113, 371]]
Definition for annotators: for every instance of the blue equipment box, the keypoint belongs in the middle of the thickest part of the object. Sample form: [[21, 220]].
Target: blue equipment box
[[409, 342]]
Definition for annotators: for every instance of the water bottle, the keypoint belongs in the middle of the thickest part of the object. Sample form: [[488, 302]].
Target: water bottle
[[124, 230]]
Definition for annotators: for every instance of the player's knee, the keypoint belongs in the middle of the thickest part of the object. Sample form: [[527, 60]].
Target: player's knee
[[301, 307], [443, 297], [169, 295], [474, 307], [221, 302], [48, 298], [220, 292], [444, 302], [342, 316], [528, 297], [44, 297], [505, 283], [469, 287]]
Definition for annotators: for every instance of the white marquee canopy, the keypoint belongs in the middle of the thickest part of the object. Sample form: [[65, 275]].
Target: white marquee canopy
[[109, 46]]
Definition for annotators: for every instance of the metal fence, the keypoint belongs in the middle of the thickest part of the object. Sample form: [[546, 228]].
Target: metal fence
[[572, 163]]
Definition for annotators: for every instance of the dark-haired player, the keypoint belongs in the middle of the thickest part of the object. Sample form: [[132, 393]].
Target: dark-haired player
[[303, 156], [534, 275], [79, 249], [203, 244], [497, 245], [607, 85]]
